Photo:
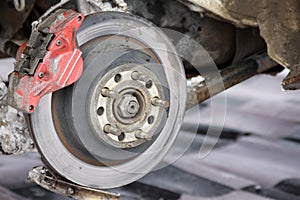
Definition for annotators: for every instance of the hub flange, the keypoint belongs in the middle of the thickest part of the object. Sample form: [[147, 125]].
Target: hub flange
[[125, 100]]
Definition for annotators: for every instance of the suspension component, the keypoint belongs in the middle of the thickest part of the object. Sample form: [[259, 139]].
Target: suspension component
[[44, 178], [202, 88], [49, 61]]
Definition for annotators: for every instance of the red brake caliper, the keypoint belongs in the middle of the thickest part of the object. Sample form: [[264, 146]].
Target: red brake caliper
[[49, 61]]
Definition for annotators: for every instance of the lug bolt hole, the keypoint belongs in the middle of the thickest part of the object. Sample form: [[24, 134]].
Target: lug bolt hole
[[118, 78], [100, 111], [121, 137], [150, 119], [149, 84]]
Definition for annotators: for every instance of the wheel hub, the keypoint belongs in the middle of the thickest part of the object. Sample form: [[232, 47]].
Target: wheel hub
[[130, 114], [128, 106]]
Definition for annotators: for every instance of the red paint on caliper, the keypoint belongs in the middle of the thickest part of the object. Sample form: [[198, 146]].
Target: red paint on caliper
[[49, 61]]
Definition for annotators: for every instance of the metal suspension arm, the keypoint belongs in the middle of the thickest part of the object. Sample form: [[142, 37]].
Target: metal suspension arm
[[198, 91]]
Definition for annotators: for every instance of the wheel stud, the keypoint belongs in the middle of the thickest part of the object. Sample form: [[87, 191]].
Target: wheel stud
[[107, 93], [142, 135], [113, 130], [158, 102], [139, 76]]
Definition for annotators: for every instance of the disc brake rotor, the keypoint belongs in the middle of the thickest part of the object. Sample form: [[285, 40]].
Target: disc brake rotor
[[120, 119]]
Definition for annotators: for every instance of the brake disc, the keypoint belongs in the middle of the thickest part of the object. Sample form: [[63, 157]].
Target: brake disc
[[118, 121]]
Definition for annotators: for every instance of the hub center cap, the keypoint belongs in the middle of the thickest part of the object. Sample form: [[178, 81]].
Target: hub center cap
[[129, 106]]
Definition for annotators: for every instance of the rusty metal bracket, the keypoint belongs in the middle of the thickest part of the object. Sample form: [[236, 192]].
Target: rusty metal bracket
[[43, 177], [292, 81]]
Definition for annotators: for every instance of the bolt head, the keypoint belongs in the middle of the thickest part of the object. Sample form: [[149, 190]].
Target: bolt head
[[128, 106], [58, 42], [41, 75], [133, 107]]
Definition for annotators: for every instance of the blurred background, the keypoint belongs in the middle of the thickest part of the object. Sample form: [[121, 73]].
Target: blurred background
[[256, 158]]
